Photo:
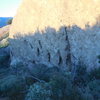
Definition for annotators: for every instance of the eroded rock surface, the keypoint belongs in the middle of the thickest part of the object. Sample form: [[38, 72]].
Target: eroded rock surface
[[4, 32], [56, 32]]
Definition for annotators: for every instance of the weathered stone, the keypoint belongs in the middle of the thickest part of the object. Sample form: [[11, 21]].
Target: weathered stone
[[40, 32], [4, 32]]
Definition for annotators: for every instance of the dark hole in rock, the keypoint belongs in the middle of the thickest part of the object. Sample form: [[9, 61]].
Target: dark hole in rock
[[31, 45], [68, 59], [60, 58], [38, 51], [33, 61], [49, 56], [40, 44]]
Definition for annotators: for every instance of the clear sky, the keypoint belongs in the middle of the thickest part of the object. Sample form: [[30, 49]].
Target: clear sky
[[8, 8]]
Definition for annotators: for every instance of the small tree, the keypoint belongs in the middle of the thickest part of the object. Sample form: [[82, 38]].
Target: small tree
[[9, 21]]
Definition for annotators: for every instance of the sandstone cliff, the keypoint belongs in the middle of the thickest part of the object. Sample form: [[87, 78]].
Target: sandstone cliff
[[4, 31], [56, 32]]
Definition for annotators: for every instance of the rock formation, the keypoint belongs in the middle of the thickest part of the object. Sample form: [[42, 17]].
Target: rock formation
[[56, 32], [4, 34], [4, 31]]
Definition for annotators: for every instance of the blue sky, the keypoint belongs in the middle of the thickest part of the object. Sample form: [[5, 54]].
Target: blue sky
[[8, 8]]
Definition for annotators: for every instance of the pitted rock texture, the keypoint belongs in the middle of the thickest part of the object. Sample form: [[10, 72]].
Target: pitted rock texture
[[49, 47], [56, 32]]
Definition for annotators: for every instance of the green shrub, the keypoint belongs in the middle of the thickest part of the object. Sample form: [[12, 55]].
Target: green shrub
[[95, 89], [9, 21], [81, 75], [38, 71], [85, 93], [94, 74], [42, 72], [22, 71], [63, 89], [98, 58], [60, 87], [43, 83], [19, 69], [11, 86], [4, 60], [39, 91]]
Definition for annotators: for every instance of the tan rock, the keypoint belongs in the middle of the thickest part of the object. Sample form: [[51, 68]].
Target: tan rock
[[4, 31], [38, 14], [38, 32]]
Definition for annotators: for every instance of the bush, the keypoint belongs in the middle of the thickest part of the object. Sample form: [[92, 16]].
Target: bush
[[85, 93], [81, 75], [39, 91], [42, 72], [95, 89], [60, 87], [9, 21], [38, 71], [98, 58], [4, 60], [43, 83], [11, 86], [94, 74], [63, 88]]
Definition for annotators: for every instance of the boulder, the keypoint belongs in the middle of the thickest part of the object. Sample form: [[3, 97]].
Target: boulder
[[56, 32], [4, 32]]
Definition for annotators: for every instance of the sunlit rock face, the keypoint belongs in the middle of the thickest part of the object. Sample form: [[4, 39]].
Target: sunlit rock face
[[56, 32], [4, 31]]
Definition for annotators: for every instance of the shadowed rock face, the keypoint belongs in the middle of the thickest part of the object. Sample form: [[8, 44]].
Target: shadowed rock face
[[40, 32]]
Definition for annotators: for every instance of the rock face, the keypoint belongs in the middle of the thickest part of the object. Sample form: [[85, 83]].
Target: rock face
[[4, 34], [4, 31], [56, 32]]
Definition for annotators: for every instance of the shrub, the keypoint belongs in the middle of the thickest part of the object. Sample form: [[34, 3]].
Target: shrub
[[95, 89], [63, 89], [23, 72], [59, 87], [43, 83], [19, 69], [11, 86], [39, 91], [98, 58], [85, 93], [9, 21], [94, 74], [81, 75], [38, 71], [4, 60], [42, 72]]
